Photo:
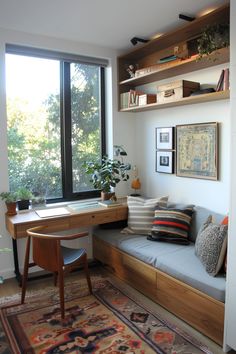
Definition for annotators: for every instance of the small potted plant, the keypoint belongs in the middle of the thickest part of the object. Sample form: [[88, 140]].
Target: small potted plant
[[106, 174], [10, 199], [24, 196]]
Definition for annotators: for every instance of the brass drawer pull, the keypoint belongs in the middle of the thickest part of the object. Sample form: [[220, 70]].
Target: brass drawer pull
[[169, 93]]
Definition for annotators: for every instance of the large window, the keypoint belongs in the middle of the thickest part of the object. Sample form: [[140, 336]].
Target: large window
[[55, 119]]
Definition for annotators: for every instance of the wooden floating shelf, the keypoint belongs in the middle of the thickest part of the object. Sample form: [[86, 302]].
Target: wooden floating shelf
[[215, 96], [221, 56]]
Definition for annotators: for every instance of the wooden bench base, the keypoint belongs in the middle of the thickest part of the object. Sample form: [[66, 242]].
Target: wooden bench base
[[196, 308]]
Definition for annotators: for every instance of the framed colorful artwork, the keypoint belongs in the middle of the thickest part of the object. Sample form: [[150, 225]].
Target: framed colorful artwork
[[197, 150]]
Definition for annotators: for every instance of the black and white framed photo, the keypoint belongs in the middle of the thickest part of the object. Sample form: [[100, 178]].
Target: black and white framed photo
[[165, 138], [165, 161]]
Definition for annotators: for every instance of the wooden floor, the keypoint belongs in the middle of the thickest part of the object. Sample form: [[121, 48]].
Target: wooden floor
[[11, 288]]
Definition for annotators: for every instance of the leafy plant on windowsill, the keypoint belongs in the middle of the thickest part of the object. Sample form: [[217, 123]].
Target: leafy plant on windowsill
[[106, 174], [213, 37]]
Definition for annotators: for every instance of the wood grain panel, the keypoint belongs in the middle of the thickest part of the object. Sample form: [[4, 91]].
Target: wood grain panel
[[196, 308], [200, 310]]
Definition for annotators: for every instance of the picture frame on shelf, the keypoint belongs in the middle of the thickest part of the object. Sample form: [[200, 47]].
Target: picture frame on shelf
[[197, 150], [165, 138], [165, 161]]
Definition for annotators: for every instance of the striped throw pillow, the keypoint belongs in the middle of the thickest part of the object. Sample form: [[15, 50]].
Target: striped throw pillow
[[172, 225], [141, 214]]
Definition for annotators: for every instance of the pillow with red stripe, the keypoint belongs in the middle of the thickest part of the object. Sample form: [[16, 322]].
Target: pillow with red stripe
[[172, 225]]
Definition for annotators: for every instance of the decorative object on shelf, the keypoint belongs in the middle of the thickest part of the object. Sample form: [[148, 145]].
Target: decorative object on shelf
[[197, 150], [134, 98], [135, 184], [213, 37], [107, 173], [176, 90], [24, 196], [147, 99], [131, 70], [165, 138], [10, 199], [109, 203], [165, 161]]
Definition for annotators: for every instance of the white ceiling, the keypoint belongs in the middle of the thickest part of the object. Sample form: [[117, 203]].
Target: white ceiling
[[109, 23]]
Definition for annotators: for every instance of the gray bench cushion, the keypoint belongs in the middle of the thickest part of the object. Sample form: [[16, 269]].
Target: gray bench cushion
[[176, 260]]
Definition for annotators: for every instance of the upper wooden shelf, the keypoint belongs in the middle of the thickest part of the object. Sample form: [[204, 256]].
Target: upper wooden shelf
[[185, 32], [221, 56], [215, 96]]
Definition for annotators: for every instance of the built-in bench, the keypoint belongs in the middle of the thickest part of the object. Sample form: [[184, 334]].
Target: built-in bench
[[170, 274]]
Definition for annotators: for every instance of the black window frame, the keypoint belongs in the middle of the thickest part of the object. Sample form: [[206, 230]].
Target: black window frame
[[65, 114]]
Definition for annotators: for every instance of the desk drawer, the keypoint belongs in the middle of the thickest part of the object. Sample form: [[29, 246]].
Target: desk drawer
[[53, 226], [94, 218]]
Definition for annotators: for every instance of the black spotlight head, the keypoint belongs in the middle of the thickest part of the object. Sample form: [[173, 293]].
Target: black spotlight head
[[186, 18], [135, 40]]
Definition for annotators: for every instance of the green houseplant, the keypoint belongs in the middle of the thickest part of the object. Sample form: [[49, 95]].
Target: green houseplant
[[213, 37], [10, 199], [106, 174], [24, 196]]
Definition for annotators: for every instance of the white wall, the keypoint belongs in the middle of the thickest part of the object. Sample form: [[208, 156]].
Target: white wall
[[210, 194], [230, 306], [114, 121]]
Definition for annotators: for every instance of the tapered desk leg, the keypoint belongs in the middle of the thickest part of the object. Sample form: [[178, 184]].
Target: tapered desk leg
[[16, 262]]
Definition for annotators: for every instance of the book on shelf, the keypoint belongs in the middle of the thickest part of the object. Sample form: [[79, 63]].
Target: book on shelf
[[124, 100], [109, 203], [223, 82], [134, 97]]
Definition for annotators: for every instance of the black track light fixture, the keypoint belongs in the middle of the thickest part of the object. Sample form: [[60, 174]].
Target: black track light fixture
[[186, 18], [135, 40]]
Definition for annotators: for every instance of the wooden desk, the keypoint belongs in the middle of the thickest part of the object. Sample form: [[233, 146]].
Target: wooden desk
[[18, 224]]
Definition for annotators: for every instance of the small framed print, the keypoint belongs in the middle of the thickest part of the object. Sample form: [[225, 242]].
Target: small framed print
[[165, 161], [165, 138]]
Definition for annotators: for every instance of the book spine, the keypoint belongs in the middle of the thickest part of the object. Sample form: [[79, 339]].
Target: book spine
[[226, 79], [219, 86]]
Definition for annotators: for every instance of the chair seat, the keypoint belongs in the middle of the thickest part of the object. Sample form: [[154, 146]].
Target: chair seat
[[71, 255]]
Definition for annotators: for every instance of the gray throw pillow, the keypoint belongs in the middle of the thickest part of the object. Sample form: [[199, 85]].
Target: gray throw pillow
[[210, 246]]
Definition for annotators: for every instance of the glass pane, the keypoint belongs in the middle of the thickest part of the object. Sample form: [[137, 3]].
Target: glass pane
[[85, 117], [33, 118]]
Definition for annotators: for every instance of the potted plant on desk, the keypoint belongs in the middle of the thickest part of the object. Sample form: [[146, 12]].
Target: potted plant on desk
[[10, 199], [106, 174], [24, 197]]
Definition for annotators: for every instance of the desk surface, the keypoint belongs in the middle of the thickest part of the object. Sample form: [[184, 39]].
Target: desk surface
[[92, 215]]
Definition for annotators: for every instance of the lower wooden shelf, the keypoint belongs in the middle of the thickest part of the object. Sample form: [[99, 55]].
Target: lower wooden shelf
[[215, 96]]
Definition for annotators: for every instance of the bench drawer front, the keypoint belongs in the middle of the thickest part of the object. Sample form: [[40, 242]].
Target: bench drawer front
[[140, 275], [188, 303]]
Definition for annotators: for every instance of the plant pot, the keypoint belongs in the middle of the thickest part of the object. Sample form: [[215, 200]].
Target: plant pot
[[107, 196], [23, 204], [11, 208]]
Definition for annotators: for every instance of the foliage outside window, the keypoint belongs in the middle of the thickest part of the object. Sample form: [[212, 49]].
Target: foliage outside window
[[55, 122]]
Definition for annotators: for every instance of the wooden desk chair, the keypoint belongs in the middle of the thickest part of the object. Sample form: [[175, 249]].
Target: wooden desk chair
[[49, 254]]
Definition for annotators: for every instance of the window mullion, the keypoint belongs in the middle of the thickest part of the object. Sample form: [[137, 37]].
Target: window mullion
[[66, 132]]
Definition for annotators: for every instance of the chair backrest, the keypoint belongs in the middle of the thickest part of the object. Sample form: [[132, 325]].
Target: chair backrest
[[47, 249], [45, 253]]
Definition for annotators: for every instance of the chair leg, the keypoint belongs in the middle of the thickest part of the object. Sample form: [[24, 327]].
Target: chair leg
[[26, 269], [87, 274], [55, 274], [61, 292]]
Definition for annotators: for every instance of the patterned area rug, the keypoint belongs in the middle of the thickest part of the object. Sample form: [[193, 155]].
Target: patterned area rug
[[109, 321]]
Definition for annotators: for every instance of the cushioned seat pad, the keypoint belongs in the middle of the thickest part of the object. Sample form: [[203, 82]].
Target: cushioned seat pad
[[176, 260]]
